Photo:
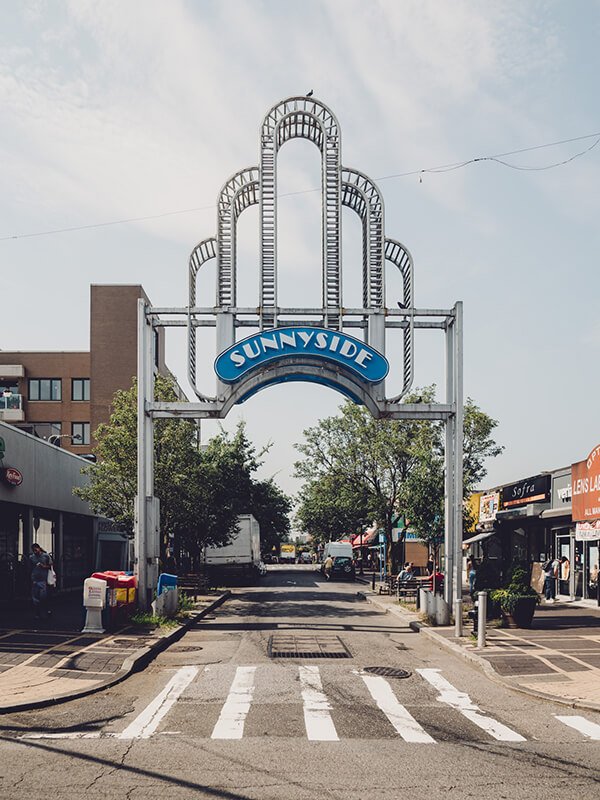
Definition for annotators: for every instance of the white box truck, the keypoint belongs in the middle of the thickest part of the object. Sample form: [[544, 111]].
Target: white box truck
[[241, 556]]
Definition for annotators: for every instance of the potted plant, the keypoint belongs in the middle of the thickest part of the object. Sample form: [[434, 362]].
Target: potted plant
[[517, 601]]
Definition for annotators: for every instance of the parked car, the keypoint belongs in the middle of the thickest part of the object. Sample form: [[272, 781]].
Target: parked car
[[343, 568]]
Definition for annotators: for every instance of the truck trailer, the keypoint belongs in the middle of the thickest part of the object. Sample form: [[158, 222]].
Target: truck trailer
[[239, 558]]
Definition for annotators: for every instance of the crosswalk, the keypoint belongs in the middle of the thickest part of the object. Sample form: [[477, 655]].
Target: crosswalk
[[225, 698]]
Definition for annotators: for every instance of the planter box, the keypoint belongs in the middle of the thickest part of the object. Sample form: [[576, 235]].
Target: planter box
[[522, 615]]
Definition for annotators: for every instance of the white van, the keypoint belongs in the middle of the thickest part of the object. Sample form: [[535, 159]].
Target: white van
[[334, 549]]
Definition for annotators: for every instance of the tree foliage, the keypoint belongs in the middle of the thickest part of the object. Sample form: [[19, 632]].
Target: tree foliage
[[358, 469], [202, 490]]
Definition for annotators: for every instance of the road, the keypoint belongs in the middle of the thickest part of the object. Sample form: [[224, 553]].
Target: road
[[273, 698]]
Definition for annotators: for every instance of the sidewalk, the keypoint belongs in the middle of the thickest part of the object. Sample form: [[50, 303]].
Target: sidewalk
[[54, 661], [557, 659]]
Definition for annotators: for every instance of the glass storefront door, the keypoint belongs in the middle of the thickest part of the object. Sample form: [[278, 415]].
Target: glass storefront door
[[563, 553], [590, 569]]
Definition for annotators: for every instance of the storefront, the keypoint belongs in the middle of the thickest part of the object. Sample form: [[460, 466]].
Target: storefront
[[37, 504], [585, 479], [523, 532]]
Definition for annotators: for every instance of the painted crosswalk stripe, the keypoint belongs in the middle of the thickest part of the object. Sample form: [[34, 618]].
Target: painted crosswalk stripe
[[230, 724], [582, 725], [406, 725], [144, 725], [463, 703], [317, 719]]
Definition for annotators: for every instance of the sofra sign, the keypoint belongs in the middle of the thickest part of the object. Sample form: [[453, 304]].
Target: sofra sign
[[315, 344]]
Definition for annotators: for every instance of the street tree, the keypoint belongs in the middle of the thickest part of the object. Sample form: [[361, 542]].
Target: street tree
[[272, 508], [329, 506], [396, 465], [201, 490]]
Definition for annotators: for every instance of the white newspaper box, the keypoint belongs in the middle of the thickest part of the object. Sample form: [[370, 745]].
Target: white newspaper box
[[94, 600]]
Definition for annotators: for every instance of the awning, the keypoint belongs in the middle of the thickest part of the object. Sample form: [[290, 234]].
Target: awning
[[549, 513], [480, 537]]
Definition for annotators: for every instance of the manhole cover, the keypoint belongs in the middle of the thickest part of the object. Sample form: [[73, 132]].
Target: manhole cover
[[291, 646], [387, 672]]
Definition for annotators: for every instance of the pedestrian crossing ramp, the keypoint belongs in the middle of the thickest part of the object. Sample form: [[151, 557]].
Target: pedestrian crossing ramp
[[219, 702]]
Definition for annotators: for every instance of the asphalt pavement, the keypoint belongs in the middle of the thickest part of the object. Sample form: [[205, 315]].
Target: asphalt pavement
[[558, 658]]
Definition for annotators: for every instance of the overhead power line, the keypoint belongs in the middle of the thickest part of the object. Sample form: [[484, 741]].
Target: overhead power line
[[498, 159]]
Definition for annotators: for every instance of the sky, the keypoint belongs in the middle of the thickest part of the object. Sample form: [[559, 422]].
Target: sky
[[140, 110]]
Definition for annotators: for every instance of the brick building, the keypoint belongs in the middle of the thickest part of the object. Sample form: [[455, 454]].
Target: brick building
[[63, 396]]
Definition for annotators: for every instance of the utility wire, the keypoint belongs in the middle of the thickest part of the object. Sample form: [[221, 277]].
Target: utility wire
[[498, 158]]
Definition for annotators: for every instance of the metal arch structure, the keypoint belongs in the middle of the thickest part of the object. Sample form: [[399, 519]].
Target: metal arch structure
[[310, 119]]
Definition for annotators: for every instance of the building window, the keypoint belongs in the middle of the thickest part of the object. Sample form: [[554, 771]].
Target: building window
[[80, 389], [80, 433], [43, 430], [45, 389]]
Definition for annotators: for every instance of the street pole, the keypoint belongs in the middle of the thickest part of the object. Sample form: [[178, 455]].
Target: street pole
[[458, 465]]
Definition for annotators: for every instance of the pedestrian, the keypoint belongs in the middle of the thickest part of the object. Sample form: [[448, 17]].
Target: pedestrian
[[328, 567], [406, 572], [550, 570], [472, 574], [430, 565], [40, 565]]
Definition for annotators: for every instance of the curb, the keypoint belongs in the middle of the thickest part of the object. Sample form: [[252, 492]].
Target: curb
[[136, 662], [491, 673], [415, 624]]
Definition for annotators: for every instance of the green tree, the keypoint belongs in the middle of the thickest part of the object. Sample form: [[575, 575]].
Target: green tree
[[396, 466], [201, 491], [271, 507], [329, 507], [422, 496]]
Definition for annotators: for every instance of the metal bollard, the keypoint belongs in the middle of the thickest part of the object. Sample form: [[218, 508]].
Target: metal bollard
[[373, 582], [458, 611], [481, 620]]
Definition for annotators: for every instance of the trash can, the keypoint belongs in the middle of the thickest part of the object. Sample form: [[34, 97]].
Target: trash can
[[121, 596]]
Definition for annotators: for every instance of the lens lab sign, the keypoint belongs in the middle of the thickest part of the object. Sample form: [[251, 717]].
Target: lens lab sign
[[315, 344]]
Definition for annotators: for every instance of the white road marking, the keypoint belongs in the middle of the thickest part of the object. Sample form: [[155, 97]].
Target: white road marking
[[582, 725], [317, 719], [230, 724], [463, 703], [144, 725], [406, 725], [66, 735]]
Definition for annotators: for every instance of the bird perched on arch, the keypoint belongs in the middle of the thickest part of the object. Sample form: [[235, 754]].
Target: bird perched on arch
[[309, 94]]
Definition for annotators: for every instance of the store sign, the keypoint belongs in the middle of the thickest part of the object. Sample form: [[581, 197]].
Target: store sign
[[587, 531], [488, 506], [585, 481], [531, 490], [11, 476], [316, 344]]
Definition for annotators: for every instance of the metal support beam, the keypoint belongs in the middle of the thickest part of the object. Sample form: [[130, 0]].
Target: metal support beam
[[449, 484], [457, 510], [144, 549]]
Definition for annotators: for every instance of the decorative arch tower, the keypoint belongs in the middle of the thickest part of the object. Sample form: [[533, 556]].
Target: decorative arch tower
[[302, 344]]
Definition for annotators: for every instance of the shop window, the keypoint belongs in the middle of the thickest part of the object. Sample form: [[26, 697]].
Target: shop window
[[80, 389], [80, 432], [45, 389]]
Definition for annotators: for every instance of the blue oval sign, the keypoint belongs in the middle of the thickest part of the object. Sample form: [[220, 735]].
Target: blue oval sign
[[313, 343]]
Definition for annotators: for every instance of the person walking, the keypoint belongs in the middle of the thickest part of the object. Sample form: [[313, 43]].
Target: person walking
[[328, 566], [40, 565], [472, 574], [550, 570]]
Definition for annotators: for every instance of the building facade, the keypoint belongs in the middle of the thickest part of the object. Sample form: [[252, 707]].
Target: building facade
[[37, 504], [554, 515], [62, 397]]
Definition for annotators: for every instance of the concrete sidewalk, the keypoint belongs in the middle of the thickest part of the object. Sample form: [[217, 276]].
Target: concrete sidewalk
[[557, 659], [54, 661]]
